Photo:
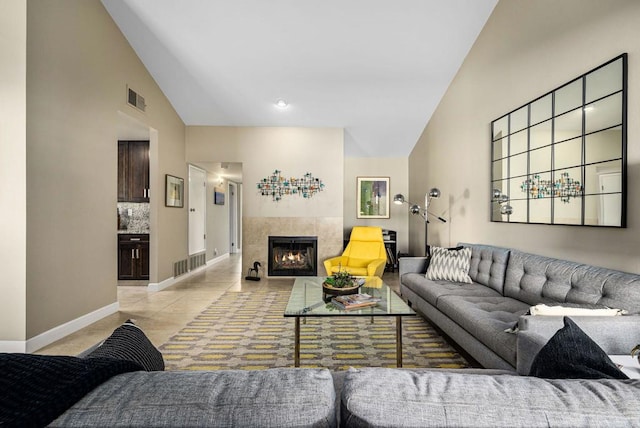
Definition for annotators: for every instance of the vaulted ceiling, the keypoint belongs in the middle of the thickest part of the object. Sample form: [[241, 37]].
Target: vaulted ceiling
[[377, 68]]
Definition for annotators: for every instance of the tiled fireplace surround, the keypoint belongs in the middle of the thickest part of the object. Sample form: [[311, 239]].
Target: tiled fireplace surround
[[256, 232]]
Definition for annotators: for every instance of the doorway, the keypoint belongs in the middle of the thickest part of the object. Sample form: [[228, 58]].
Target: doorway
[[611, 198], [233, 218], [197, 210]]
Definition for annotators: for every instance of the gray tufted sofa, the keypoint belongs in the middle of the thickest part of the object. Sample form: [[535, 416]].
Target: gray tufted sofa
[[367, 397], [506, 283]]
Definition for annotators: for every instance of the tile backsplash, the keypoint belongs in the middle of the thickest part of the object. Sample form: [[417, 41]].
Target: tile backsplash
[[133, 217]]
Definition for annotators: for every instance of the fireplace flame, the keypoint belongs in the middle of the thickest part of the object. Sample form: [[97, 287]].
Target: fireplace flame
[[291, 257]]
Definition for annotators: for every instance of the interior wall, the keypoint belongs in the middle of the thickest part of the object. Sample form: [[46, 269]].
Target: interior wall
[[294, 152], [525, 50], [397, 169], [13, 169], [217, 217], [79, 65]]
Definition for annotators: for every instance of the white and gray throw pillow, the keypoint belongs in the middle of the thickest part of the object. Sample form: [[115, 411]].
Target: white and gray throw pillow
[[450, 264]]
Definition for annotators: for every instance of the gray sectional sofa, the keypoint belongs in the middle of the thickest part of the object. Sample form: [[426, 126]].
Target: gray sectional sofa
[[506, 283], [371, 397]]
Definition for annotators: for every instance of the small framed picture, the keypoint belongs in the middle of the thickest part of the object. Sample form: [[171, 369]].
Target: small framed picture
[[174, 191], [218, 197], [373, 197]]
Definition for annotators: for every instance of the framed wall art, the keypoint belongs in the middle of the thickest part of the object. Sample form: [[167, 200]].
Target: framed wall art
[[372, 199], [218, 197], [174, 191]]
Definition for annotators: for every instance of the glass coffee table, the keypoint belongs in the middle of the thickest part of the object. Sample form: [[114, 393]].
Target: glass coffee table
[[308, 300]]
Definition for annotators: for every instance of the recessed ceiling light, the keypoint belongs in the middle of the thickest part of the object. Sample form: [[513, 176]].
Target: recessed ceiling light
[[282, 103]]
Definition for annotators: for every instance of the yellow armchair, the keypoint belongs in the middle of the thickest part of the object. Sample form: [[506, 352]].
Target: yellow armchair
[[365, 254]]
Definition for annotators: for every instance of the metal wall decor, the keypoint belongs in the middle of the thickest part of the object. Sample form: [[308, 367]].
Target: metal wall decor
[[564, 187], [278, 186], [562, 158]]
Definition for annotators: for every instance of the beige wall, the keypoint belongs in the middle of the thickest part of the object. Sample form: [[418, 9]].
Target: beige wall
[[526, 49], [397, 169], [78, 66], [217, 217], [294, 151], [13, 168]]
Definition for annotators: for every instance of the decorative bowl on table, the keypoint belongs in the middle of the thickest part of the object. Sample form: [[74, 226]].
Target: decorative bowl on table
[[340, 284]]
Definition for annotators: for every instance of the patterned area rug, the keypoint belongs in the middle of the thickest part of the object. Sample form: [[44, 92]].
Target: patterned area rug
[[247, 330]]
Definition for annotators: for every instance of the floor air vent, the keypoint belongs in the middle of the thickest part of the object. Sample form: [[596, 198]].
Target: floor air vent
[[180, 268], [197, 260]]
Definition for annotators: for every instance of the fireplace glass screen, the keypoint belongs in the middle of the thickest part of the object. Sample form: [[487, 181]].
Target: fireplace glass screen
[[293, 256]]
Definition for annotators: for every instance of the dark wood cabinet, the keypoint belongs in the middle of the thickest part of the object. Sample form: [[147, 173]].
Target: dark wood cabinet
[[133, 256], [133, 171]]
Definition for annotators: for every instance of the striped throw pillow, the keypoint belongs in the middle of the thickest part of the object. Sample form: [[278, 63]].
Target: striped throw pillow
[[128, 342], [450, 264]]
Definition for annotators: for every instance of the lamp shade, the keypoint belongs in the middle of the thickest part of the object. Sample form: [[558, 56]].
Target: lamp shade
[[398, 199]]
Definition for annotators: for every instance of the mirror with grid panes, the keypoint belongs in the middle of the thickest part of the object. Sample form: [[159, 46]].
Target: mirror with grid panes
[[561, 158]]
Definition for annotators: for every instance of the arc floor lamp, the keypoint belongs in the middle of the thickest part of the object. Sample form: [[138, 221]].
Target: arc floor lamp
[[433, 193]]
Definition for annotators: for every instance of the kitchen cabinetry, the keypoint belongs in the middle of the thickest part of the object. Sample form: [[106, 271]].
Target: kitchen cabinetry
[[133, 256], [133, 171]]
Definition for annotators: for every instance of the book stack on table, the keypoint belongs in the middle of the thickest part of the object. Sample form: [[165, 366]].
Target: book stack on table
[[354, 301]]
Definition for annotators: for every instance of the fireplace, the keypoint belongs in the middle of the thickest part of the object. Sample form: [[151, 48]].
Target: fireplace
[[293, 256]]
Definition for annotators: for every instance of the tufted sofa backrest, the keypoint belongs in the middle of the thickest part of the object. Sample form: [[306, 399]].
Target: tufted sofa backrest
[[537, 279], [488, 265]]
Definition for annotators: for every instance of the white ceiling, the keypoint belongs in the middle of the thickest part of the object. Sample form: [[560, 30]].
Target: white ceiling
[[377, 68]]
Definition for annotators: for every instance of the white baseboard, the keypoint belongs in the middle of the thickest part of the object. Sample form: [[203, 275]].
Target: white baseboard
[[157, 286], [57, 333], [218, 259], [13, 346]]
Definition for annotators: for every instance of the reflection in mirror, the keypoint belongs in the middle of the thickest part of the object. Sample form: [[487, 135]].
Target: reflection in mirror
[[604, 113], [518, 165], [568, 153], [501, 128], [518, 142], [540, 160], [500, 148], [604, 145], [568, 126], [519, 120], [562, 157], [568, 212], [540, 210], [568, 97], [540, 135], [604, 81], [500, 170], [603, 210], [541, 109], [519, 214], [605, 177]]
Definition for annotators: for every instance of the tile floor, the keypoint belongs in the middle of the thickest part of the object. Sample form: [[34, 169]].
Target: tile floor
[[163, 313]]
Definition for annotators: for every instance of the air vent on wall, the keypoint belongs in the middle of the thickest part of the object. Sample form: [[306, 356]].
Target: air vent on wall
[[135, 99]]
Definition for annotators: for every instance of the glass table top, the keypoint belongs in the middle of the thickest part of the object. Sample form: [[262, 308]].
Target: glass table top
[[306, 300]]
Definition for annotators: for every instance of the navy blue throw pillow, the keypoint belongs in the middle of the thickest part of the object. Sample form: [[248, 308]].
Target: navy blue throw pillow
[[128, 342], [572, 354]]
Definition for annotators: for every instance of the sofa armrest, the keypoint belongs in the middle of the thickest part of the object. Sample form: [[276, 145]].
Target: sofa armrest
[[412, 265], [615, 335]]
